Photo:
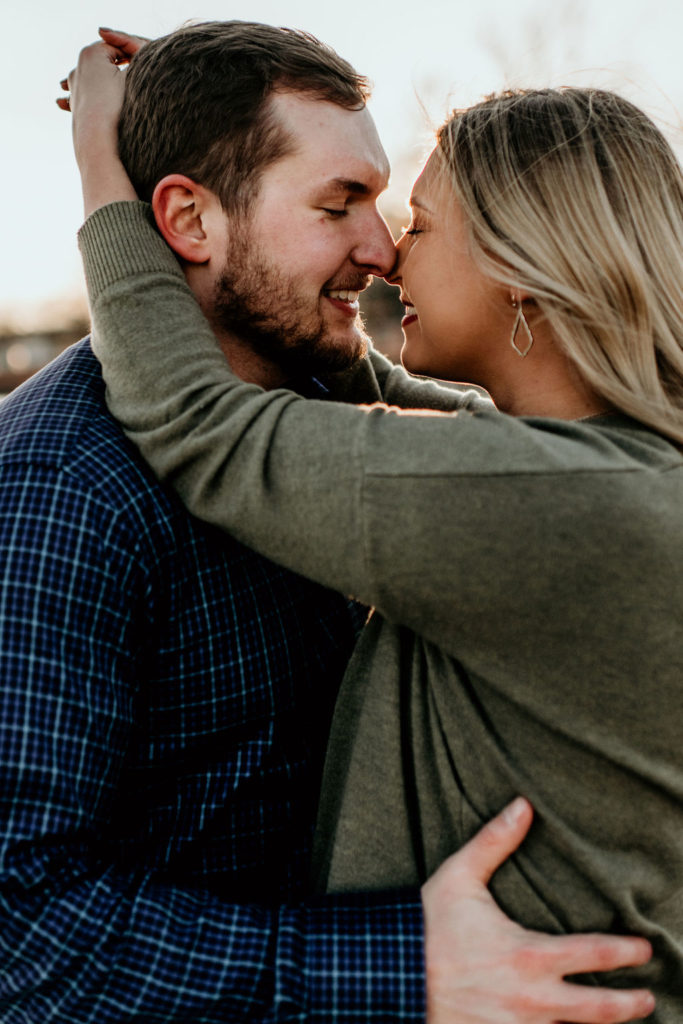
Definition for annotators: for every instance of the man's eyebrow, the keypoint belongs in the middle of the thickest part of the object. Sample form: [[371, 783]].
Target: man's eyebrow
[[348, 185]]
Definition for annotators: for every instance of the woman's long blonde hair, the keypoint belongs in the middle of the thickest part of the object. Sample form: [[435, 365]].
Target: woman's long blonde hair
[[576, 197]]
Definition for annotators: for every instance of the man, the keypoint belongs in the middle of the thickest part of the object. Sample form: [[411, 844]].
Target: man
[[166, 692]]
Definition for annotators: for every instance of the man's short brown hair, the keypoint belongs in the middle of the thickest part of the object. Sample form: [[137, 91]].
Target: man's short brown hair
[[197, 103]]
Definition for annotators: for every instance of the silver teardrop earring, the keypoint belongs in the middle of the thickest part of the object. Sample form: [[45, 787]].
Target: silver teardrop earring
[[521, 319]]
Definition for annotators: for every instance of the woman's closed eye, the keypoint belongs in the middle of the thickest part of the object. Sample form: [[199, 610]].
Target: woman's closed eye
[[414, 228]]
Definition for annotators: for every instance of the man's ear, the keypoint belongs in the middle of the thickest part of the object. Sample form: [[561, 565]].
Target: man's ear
[[182, 212]]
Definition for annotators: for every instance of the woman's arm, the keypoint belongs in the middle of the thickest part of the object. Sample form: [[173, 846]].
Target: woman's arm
[[372, 501], [377, 379], [272, 465], [95, 101], [158, 386], [97, 87]]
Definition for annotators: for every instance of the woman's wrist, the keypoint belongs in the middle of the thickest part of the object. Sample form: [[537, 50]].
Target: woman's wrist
[[97, 88], [104, 180]]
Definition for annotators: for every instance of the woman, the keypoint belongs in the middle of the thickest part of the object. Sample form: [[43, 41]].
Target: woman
[[522, 561]]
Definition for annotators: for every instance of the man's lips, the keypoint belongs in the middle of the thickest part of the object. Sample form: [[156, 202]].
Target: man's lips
[[344, 299]]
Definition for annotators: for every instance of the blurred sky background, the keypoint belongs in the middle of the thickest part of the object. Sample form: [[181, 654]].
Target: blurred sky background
[[423, 56]]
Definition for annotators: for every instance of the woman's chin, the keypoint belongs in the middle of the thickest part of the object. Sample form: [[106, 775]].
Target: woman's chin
[[411, 358], [415, 360]]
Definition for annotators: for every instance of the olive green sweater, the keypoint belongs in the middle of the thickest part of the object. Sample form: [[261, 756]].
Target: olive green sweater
[[525, 575]]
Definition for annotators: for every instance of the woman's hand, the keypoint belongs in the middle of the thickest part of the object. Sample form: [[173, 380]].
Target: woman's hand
[[96, 87]]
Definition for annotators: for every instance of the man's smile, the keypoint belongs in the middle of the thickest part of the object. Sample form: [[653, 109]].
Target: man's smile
[[345, 299]]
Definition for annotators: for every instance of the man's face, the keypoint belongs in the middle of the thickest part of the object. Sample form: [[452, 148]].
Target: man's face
[[313, 238]]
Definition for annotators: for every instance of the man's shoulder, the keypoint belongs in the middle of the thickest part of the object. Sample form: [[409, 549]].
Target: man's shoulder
[[47, 415], [58, 423]]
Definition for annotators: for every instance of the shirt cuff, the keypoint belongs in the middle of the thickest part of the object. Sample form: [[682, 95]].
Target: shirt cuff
[[363, 957]]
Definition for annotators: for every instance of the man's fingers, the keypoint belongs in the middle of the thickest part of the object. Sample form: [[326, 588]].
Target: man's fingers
[[493, 844], [492, 969], [581, 954], [539, 955], [581, 1004], [577, 954]]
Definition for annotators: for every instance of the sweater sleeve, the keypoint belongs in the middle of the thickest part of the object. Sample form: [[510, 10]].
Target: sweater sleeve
[[377, 379], [404, 510]]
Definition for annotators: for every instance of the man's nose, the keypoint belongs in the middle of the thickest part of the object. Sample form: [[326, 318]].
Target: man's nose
[[376, 251]]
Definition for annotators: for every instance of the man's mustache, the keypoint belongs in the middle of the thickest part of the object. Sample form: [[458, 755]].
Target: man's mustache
[[355, 284]]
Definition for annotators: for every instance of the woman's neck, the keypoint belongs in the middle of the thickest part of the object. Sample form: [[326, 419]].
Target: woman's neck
[[544, 383]]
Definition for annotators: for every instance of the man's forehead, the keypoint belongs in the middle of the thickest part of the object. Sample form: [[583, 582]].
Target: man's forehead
[[341, 147]]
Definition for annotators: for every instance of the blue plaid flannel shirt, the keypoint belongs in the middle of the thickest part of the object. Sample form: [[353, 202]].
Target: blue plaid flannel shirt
[[166, 696]]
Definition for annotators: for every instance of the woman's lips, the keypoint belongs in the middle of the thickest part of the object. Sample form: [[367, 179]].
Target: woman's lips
[[410, 316]]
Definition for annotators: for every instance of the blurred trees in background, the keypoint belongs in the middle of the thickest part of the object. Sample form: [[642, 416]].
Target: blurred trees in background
[[22, 353]]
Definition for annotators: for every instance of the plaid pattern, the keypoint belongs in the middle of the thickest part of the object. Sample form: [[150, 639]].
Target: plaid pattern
[[166, 695]]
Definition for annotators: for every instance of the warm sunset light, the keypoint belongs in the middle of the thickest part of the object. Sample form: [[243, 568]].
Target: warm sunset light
[[341, 449]]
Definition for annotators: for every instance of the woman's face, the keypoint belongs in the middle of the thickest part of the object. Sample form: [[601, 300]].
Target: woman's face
[[458, 321]]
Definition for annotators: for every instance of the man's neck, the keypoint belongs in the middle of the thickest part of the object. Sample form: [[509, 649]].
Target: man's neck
[[252, 367]]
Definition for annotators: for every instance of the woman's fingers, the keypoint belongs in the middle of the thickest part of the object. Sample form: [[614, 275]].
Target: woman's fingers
[[118, 46], [92, 60], [64, 102], [125, 42]]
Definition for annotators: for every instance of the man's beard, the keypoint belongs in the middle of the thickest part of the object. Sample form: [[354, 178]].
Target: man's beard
[[262, 306]]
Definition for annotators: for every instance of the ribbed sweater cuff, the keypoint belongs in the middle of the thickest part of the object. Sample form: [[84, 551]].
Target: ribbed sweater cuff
[[108, 253]]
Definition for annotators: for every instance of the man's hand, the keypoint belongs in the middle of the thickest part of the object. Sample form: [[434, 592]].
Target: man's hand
[[96, 87], [482, 968]]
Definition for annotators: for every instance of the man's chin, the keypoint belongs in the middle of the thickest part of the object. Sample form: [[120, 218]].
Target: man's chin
[[321, 350], [337, 352]]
